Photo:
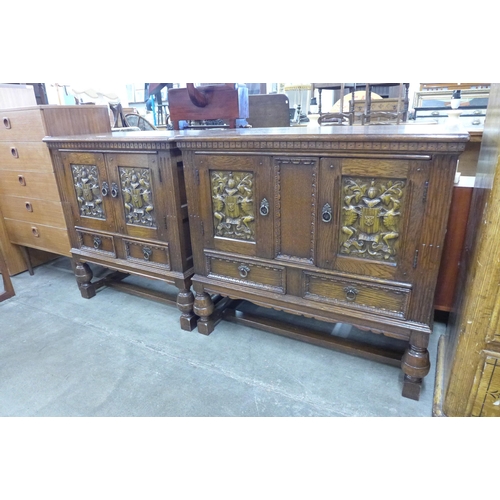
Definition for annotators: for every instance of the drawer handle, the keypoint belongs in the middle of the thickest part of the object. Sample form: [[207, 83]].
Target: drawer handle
[[477, 112], [435, 113], [105, 189], [21, 180], [244, 270], [264, 207], [28, 206], [97, 242], [350, 293], [114, 190], [147, 252], [6, 122], [14, 152], [35, 232], [326, 213], [476, 121]]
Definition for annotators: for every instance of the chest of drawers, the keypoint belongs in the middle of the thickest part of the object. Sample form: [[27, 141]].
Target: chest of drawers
[[124, 201], [29, 197], [342, 225]]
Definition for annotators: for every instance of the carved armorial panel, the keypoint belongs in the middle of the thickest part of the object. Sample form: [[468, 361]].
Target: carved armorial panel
[[87, 190], [137, 196], [233, 204], [371, 218]]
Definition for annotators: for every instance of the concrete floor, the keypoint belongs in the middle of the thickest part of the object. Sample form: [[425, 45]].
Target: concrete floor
[[118, 355]]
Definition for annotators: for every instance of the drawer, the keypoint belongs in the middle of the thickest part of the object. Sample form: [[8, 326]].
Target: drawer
[[41, 185], [21, 125], [249, 273], [95, 242], [381, 299], [25, 156], [147, 254], [50, 239], [33, 210]]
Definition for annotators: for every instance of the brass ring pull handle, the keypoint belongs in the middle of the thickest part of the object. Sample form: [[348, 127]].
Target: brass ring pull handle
[[6, 122], [326, 213], [35, 232], [264, 207], [21, 180], [28, 206], [244, 270], [350, 293], [105, 189], [14, 152], [147, 252], [97, 242], [114, 190]]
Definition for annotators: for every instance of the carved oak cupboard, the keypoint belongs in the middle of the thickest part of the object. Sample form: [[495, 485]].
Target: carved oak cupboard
[[125, 207], [343, 225]]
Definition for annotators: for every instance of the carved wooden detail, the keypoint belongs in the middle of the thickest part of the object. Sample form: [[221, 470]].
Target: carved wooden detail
[[137, 196], [487, 402], [371, 218], [233, 204], [87, 190]]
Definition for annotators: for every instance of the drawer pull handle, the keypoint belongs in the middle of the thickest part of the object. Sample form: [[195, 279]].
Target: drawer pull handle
[[105, 189], [28, 206], [326, 213], [477, 112], [14, 152], [477, 121], [35, 232], [264, 207], [6, 122], [244, 270], [21, 180], [435, 113], [350, 293], [114, 190], [147, 252], [97, 242]]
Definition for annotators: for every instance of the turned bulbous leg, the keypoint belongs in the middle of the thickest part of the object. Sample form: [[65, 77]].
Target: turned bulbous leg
[[204, 307], [84, 276], [415, 365], [185, 301]]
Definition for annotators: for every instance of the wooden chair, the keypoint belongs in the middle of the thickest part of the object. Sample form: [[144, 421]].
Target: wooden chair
[[386, 117], [339, 118], [7, 283]]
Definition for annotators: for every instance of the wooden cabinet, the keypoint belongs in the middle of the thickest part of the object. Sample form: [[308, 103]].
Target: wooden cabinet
[[342, 227], [125, 207], [29, 197]]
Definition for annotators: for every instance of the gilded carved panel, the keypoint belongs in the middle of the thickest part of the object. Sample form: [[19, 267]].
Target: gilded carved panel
[[87, 190], [371, 218], [137, 196], [233, 204]]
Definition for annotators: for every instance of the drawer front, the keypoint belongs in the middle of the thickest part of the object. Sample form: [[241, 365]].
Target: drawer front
[[50, 239], [21, 125], [147, 254], [41, 185], [25, 156], [33, 210], [381, 299], [242, 272], [96, 242]]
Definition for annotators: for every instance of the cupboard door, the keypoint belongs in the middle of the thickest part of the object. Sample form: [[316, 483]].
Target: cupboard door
[[370, 215], [139, 206], [236, 203], [89, 190]]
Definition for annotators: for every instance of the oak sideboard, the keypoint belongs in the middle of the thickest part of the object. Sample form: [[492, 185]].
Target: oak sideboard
[[340, 224]]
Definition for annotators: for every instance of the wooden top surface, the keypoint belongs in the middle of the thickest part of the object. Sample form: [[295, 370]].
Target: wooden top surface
[[396, 133]]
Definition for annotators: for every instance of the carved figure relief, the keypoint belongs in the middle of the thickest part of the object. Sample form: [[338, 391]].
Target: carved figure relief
[[371, 218], [87, 190], [233, 205], [137, 196]]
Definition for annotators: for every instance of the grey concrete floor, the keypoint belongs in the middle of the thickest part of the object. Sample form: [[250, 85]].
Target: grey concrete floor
[[118, 355]]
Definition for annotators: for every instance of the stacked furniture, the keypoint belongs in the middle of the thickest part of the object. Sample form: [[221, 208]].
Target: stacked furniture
[[29, 196], [124, 201]]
